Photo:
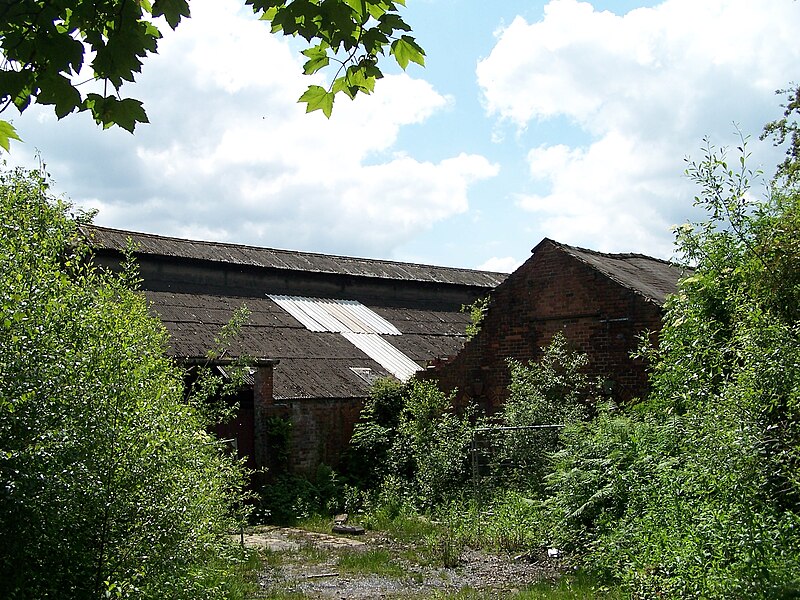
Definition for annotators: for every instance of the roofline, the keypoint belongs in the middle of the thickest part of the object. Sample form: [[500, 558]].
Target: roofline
[[574, 250], [620, 255], [226, 361], [86, 230]]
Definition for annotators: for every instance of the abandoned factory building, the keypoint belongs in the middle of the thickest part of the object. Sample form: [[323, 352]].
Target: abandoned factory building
[[602, 303], [323, 328]]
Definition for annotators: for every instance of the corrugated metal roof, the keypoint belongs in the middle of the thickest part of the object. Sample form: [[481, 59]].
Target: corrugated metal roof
[[337, 316], [158, 245], [356, 323], [383, 353], [312, 364]]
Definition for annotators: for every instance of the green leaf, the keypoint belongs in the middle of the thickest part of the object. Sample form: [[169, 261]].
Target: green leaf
[[173, 10], [406, 50], [108, 111], [374, 41], [358, 81], [118, 59], [18, 85], [268, 15], [7, 133], [391, 22], [376, 9], [59, 91], [359, 7], [318, 58], [317, 98]]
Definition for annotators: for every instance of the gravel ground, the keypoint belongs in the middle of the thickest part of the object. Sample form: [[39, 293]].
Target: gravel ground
[[319, 578]]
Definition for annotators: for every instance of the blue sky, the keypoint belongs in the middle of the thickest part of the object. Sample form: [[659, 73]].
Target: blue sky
[[563, 119]]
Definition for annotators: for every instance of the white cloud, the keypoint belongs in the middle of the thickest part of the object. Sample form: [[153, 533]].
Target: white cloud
[[646, 87], [230, 155], [500, 264]]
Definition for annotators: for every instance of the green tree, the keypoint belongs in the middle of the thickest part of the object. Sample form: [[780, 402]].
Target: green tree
[[410, 438], [787, 128], [552, 391], [694, 492], [109, 481], [51, 47]]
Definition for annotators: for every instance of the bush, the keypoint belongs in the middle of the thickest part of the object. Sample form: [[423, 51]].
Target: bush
[[694, 493], [367, 459], [553, 391], [410, 446], [109, 481], [289, 498]]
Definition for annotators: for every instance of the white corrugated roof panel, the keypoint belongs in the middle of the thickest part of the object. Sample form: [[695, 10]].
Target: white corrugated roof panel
[[376, 322], [316, 311], [346, 316], [358, 324], [297, 310], [337, 316], [383, 353]]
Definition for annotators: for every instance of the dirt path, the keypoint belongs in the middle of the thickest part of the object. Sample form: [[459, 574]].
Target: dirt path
[[310, 564]]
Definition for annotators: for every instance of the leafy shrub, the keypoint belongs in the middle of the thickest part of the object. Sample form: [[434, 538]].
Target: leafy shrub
[[433, 444], [367, 458], [694, 493], [289, 497], [109, 482], [552, 391], [477, 312], [410, 447]]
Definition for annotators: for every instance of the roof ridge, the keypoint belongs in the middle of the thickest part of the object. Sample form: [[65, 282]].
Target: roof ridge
[[648, 277], [289, 252], [618, 255]]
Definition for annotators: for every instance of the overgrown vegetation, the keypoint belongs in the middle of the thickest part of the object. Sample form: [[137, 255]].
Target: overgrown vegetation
[[110, 485], [411, 447], [678, 497], [477, 311], [693, 491]]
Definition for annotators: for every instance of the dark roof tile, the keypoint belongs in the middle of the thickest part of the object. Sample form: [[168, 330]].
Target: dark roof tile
[[312, 364]]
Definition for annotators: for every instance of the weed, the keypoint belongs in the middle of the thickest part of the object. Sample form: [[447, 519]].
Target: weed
[[282, 595], [312, 554], [272, 558], [404, 525], [579, 586], [317, 523], [444, 549], [374, 562], [467, 593], [242, 582], [509, 523]]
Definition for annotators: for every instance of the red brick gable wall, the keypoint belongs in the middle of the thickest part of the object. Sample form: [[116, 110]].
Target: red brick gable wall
[[553, 291]]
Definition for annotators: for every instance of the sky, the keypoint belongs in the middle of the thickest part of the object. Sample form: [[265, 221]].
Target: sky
[[563, 119]]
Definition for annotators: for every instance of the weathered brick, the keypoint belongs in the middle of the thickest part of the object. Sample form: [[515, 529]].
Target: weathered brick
[[553, 291]]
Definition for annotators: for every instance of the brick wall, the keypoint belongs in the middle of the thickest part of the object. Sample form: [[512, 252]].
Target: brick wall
[[321, 427], [553, 291], [321, 431]]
